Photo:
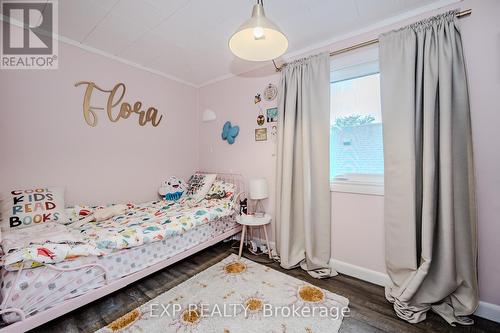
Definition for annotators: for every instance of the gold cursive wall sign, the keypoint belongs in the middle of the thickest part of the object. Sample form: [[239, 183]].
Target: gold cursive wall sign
[[115, 97]]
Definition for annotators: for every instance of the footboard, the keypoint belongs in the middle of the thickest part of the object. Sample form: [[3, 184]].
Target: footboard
[[48, 285]]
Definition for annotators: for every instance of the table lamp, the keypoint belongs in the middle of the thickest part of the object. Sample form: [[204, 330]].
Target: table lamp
[[258, 192]]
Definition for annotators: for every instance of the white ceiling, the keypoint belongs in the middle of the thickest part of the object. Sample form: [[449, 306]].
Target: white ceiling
[[187, 39]]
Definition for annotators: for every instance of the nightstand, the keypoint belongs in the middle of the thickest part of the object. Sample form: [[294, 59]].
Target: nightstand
[[251, 221]]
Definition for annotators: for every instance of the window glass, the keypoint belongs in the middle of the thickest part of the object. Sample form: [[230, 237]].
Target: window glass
[[356, 142]]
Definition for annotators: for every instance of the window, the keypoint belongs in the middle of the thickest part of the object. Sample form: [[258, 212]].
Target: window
[[356, 144]]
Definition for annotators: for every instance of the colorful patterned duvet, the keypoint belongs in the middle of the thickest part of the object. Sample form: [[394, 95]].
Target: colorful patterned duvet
[[144, 223]]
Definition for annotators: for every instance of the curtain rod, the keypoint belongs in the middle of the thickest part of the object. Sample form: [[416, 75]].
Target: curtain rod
[[367, 43]]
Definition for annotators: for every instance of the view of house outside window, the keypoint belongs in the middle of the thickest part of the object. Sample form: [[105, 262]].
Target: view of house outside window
[[356, 141]]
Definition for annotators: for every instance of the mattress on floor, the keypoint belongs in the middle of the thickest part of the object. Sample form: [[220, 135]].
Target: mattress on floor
[[40, 288]]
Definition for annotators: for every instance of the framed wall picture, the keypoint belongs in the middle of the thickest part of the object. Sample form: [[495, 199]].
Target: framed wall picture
[[272, 115], [261, 119], [261, 134], [270, 92]]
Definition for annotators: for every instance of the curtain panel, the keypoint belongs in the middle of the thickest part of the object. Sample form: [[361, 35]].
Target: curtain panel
[[303, 224], [430, 213]]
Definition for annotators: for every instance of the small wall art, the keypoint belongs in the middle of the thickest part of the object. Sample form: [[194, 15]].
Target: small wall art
[[257, 99], [273, 131], [261, 134], [270, 92], [261, 119], [272, 115], [230, 132]]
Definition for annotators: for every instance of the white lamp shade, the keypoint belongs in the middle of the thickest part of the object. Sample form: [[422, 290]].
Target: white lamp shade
[[208, 116], [258, 39], [258, 189]]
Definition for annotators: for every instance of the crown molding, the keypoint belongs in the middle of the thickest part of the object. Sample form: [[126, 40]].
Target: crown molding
[[108, 55], [288, 57], [372, 27], [222, 78], [105, 54]]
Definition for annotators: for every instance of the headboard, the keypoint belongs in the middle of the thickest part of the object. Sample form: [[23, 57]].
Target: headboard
[[233, 178]]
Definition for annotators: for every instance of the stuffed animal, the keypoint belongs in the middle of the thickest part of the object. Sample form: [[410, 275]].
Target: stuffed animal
[[172, 189], [244, 207]]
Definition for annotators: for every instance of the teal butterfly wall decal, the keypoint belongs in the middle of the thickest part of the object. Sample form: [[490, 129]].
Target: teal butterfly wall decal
[[229, 132]]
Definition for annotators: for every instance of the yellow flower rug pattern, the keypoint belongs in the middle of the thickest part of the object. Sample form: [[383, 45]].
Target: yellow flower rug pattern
[[238, 296]]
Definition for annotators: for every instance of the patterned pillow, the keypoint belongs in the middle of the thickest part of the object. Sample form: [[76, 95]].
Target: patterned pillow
[[25, 208], [220, 190], [199, 185]]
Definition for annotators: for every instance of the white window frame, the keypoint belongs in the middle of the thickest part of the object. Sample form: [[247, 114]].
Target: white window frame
[[372, 184], [344, 67]]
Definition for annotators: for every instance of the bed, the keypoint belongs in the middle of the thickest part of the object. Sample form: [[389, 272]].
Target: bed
[[151, 236]]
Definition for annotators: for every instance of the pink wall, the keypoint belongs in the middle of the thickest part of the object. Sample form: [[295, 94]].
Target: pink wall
[[481, 35], [358, 230], [233, 100], [45, 140], [358, 234]]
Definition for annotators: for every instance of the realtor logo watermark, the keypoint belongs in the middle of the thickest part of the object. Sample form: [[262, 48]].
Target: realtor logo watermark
[[204, 310], [28, 30]]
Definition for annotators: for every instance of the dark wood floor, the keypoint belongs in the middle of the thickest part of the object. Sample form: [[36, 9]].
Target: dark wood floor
[[370, 312]]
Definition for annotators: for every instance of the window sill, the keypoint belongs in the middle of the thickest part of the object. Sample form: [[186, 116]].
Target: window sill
[[357, 187]]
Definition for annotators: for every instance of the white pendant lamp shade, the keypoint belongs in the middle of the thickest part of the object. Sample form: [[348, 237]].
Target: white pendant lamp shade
[[258, 39]]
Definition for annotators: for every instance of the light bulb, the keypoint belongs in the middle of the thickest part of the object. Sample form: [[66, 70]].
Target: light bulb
[[258, 32], [258, 39]]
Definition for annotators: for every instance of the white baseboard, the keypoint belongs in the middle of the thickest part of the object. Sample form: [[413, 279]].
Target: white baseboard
[[361, 273], [485, 310], [488, 311]]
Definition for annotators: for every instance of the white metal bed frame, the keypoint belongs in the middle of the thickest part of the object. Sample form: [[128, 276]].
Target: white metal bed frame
[[30, 319]]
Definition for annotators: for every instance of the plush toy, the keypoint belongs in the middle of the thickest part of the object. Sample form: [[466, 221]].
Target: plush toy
[[172, 189]]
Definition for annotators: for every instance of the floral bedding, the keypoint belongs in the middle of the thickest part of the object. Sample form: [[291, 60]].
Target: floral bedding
[[140, 224]]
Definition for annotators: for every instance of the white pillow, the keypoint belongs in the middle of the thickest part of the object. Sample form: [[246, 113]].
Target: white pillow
[[25, 208], [199, 185]]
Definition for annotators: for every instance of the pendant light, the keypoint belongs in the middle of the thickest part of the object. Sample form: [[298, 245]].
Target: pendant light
[[258, 39]]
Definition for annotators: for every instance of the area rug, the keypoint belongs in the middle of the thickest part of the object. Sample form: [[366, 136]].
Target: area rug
[[238, 296]]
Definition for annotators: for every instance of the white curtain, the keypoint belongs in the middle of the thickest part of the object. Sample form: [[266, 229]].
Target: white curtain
[[430, 213], [302, 228]]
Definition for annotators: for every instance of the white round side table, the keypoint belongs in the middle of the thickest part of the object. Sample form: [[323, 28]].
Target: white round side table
[[249, 221]]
